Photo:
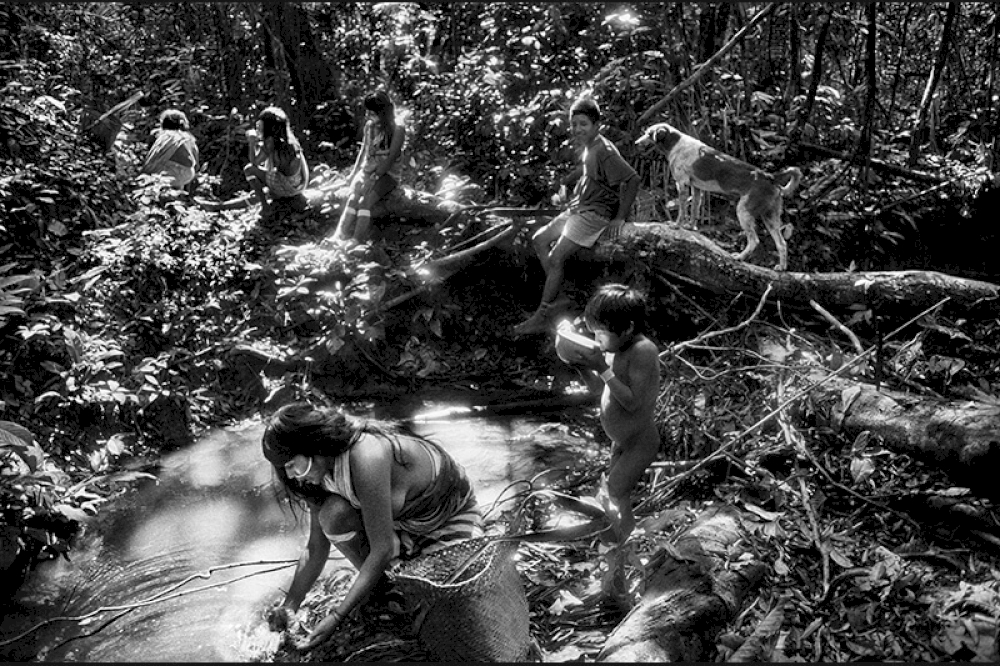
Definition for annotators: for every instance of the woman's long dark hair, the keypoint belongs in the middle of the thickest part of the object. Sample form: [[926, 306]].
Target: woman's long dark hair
[[381, 104], [303, 429], [274, 125]]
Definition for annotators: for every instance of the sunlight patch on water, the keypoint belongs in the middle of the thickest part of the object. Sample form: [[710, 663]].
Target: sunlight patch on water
[[214, 506]]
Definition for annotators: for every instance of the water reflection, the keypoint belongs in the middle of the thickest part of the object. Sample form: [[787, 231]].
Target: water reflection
[[214, 507]]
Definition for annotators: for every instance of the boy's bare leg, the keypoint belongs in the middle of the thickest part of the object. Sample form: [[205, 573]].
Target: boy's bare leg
[[544, 238], [626, 471], [564, 249]]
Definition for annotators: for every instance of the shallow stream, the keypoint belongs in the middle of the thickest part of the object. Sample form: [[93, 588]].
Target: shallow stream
[[213, 511]]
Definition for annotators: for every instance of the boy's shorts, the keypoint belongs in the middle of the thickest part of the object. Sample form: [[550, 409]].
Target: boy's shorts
[[583, 227]]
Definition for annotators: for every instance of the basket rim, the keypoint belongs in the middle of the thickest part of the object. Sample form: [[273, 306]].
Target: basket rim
[[495, 544]]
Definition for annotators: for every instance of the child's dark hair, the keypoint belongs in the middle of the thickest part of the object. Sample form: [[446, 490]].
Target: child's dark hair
[[615, 307], [588, 107], [174, 119], [381, 104], [274, 125]]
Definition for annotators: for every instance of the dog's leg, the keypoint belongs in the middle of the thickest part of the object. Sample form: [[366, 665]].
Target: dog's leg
[[749, 225], [683, 190], [699, 201], [773, 225]]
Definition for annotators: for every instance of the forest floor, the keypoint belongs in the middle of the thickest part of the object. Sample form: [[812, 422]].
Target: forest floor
[[858, 565], [860, 569]]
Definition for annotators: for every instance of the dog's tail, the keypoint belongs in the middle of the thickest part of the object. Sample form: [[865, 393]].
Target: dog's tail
[[794, 175]]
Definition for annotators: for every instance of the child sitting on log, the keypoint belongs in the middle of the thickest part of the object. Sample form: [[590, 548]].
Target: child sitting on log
[[277, 161], [375, 173], [601, 199]]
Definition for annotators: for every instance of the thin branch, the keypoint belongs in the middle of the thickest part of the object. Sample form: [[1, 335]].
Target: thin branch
[[684, 85], [721, 451], [836, 324], [794, 440], [714, 334], [165, 595]]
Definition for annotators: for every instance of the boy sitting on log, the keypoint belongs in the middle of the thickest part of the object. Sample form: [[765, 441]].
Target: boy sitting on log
[[601, 199]]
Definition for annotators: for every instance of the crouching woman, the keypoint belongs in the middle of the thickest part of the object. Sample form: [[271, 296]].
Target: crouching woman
[[374, 489]]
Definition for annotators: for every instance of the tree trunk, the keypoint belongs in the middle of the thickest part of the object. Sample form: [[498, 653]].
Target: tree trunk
[[794, 83], [904, 32], [958, 437], [817, 73], [690, 598], [864, 151], [230, 66], [711, 28], [992, 121], [689, 257], [932, 81], [311, 76]]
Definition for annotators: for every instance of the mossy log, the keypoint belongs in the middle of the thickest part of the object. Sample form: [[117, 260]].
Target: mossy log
[[961, 438], [691, 597], [404, 205], [690, 258]]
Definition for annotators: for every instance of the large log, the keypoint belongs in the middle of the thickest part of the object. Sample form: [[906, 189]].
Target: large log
[[961, 438], [689, 257], [690, 598]]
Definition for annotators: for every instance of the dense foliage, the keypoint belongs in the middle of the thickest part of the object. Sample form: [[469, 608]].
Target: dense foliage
[[120, 307]]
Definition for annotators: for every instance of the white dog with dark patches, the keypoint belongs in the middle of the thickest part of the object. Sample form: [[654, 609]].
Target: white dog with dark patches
[[758, 194]]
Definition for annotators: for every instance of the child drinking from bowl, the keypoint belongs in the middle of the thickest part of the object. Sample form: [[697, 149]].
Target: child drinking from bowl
[[628, 365], [626, 368]]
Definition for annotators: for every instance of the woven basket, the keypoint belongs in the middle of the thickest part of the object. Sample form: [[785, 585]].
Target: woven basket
[[103, 133], [482, 615]]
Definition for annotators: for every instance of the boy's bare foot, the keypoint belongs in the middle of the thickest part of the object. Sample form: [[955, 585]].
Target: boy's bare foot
[[536, 323], [539, 321]]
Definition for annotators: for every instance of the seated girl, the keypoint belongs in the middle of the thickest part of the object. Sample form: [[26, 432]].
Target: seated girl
[[174, 152], [375, 172], [374, 489], [276, 160]]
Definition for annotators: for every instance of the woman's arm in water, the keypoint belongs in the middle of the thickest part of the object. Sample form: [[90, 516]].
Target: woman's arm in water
[[308, 569], [371, 473]]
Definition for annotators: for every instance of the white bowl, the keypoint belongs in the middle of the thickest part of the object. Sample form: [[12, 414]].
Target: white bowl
[[572, 347]]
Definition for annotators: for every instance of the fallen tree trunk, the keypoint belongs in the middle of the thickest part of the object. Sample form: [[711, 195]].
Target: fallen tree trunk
[[690, 258], [960, 438], [690, 599]]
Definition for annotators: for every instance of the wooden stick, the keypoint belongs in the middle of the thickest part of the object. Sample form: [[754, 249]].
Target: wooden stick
[[714, 334], [836, 323], [165, 595]]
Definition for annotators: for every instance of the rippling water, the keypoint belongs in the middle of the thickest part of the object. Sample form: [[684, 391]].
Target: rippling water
[[213, 509]]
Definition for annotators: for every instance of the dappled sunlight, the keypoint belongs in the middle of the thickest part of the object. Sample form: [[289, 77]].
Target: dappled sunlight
[[208, 524], [213, 523]]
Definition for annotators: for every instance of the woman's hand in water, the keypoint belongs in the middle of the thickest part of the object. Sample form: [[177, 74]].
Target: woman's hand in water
[[322, 631], [277, 618]]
